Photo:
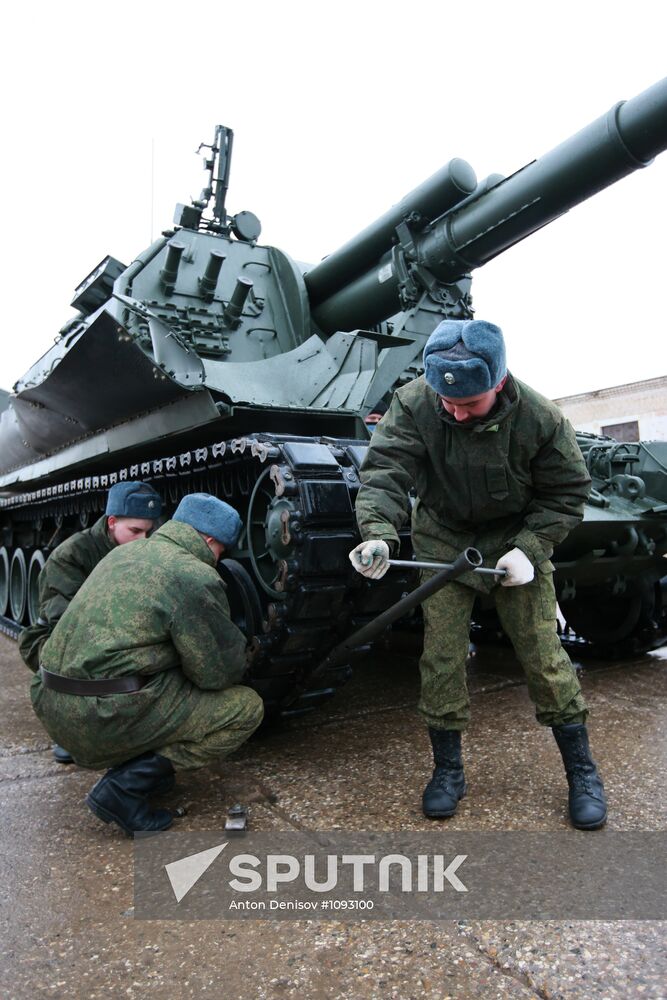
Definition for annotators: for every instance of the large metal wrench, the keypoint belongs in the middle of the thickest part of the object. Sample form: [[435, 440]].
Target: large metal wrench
[[469, 559], [413, 564]]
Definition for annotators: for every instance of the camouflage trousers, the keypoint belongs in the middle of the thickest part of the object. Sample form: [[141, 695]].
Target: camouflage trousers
[[106, 731], [220, 723], [528, 617]]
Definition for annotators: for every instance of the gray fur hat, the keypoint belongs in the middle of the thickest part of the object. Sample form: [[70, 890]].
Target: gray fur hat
[[133, 499], [211, 516], [464, 358]]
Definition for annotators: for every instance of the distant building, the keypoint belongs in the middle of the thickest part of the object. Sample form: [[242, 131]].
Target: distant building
[[633, 412]]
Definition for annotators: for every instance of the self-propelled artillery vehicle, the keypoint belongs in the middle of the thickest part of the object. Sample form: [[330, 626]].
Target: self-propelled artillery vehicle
[[214, 363]]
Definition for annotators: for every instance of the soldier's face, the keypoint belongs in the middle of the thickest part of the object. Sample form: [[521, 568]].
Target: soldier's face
[[129, 529], [472, 407], [216, 547]]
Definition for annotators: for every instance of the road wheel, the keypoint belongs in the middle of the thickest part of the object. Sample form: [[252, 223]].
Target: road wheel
[[36, 566], [599, 615], [18, 586], [4, 580]]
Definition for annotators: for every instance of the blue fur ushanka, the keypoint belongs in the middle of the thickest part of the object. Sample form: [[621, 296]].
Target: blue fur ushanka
[[211, 516], [464, 358], [133, 499]]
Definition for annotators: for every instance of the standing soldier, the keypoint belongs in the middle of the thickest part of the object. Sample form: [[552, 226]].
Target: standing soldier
[[142, 673], [132, 510], [496, 466]]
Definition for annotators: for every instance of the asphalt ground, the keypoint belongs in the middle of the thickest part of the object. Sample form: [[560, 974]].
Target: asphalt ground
[[358, 763]]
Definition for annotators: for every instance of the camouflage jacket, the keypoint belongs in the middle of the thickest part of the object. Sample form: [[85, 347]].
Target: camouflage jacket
[[64, 571], [514, 479], [154, 607]]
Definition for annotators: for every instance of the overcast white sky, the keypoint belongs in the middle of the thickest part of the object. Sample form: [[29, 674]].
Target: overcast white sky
[[338, 111]]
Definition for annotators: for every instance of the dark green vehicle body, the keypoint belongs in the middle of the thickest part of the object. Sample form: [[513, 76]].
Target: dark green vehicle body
[[215, 363]]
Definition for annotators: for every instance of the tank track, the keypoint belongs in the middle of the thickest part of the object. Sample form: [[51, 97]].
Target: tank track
[[290, 585], [9, 627]]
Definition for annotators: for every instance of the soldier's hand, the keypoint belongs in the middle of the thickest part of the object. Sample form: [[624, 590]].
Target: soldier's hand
[[518, 568], [371, 559]]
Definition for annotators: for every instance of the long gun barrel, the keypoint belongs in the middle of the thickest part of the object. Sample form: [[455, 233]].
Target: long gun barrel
[[446, 188], [469, 234]]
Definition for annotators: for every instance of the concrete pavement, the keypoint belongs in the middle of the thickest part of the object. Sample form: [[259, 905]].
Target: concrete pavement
[[359, 763]]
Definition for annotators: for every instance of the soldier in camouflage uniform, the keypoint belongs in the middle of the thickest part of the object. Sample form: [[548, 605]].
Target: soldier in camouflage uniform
[[142, 673], [132, 510], [496, 466]]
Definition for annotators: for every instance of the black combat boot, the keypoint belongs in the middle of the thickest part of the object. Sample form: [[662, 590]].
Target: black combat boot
[[61, 755], [120, 796], [164, 785], [447, 786], [588, 806]]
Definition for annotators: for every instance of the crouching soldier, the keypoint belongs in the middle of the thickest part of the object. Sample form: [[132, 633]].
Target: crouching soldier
[[142, 672], [132, 510]]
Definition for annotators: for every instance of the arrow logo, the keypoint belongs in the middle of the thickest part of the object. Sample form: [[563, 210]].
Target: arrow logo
[[186, 871]]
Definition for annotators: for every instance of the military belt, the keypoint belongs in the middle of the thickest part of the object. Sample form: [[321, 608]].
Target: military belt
[[92, 688]]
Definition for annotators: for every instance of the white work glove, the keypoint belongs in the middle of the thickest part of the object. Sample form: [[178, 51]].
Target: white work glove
[[519, 568], [371, 559]]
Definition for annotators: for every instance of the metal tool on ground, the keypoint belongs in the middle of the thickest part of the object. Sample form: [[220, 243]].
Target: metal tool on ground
[[237, 819], [469, 560]]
